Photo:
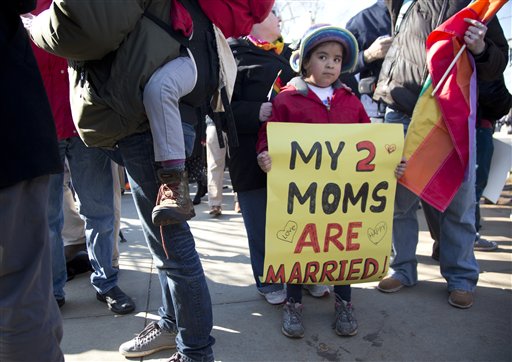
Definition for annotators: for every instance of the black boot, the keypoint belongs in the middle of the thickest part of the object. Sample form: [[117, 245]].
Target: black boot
[[201, 191]]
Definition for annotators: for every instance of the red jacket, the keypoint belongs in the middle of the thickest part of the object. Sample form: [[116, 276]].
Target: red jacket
[[54, 71], [296, 103]]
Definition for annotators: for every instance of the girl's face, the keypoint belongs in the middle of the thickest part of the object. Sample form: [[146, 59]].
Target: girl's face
[[324, 65]]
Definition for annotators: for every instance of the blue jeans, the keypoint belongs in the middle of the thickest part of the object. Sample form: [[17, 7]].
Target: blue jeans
[[91, 176], [187, 304], [30, 321], [253, 204], [457, 235], [484, 151], [397, 117]]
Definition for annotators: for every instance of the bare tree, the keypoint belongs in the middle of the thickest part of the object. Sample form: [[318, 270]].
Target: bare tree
[[290, 10]]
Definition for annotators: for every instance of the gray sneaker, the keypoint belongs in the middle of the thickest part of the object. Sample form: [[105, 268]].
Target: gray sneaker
[[292, 320], [345, 323], [152, 339]]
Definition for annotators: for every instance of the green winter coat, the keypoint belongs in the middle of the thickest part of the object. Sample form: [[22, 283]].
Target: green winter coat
[[112, 51]]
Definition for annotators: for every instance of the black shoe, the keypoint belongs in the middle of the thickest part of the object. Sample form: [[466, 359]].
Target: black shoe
[[117, 301], [435, 251], [201, 191], [60, 301], [78, 265]]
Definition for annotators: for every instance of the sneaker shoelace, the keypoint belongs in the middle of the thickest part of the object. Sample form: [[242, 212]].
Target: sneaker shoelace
[[148, 334], [175, 358], [343, 311], [294, 313]]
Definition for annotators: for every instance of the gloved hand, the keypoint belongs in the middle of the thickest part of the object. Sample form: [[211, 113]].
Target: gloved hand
[[265, 111], [264, 161], [378, 49]]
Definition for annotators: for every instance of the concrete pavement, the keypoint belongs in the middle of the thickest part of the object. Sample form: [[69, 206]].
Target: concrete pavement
[[415, 324]]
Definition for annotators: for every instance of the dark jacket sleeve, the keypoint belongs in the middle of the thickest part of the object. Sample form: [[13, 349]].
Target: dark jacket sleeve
[[492, 63], [245, 112]]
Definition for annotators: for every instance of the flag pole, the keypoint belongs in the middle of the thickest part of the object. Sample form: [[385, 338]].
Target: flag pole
[[452, 64]]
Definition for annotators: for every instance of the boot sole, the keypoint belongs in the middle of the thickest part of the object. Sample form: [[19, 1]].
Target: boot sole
[[163, 218]]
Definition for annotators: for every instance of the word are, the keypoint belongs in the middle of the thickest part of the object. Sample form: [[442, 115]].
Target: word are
[[333, 232]]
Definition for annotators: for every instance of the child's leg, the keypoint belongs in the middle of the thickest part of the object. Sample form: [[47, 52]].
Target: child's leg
[[294, 293], [292, 312], [161, 100], [162, 93], [343, 292], [345, 323]]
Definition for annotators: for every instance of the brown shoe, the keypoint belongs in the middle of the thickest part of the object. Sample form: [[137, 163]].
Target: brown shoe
[[216, 211], [461, 299], [389, 285], [173, 203]]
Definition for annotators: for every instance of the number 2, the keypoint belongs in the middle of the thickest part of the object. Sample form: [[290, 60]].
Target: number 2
[[366, 165]]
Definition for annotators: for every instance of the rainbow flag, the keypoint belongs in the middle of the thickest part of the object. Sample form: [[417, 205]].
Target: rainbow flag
[[438, 142], [276, 87]]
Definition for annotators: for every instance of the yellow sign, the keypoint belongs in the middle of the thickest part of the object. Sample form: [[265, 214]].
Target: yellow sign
[[330, 199]]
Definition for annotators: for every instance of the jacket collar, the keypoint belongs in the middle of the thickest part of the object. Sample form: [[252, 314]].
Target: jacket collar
[[302, 87]]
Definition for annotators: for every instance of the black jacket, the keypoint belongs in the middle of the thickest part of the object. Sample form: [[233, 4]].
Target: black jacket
[[367, 26], [28, 141], [404, 69], [494, 100], [257, 70]]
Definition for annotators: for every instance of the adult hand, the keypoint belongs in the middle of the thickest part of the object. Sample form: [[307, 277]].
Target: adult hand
[[265, 111], [400, 168], [474, 36], [264, 161], [378, 49]]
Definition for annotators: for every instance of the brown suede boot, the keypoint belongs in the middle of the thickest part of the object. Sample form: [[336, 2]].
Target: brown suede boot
[[173, 203]]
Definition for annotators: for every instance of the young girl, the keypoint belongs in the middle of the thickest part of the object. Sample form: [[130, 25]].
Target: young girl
[[317, 96]]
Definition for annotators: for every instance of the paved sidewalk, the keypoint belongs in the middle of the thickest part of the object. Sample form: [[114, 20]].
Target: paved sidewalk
[[415, 324]]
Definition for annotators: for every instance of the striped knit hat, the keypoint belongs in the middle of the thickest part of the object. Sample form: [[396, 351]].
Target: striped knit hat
[[321, 33]]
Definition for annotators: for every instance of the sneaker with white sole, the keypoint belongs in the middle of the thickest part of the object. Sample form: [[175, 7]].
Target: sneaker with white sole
[[317, 290], [292, 320], [276, 297], [152, 339], [345, 323]]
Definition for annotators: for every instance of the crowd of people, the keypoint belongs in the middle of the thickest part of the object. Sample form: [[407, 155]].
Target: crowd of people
[[156, 87]]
